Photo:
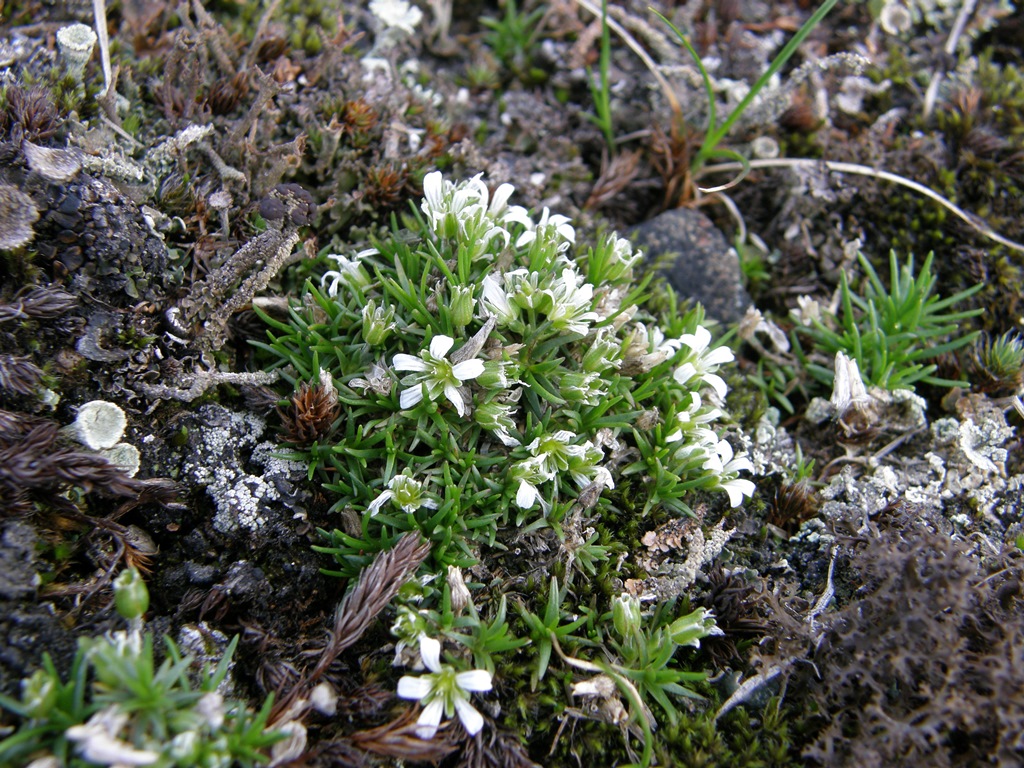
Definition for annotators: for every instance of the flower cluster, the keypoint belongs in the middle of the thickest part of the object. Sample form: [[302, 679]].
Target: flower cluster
[[495, 382], [488, 359]]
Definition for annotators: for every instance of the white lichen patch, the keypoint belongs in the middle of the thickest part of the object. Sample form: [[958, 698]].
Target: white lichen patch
[[982, 444], [215, 462], [167, 151], [100, 424], [238, 497]]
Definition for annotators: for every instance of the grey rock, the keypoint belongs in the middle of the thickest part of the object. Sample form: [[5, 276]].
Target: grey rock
[[701, 264]]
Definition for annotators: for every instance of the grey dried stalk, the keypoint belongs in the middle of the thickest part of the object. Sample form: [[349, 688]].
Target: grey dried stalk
[[201, 381], [219, 294], [31, 461], [40, 303], [19, 374], [378, 583]]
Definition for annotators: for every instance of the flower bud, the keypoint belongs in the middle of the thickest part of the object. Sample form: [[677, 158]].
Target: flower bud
[[497, 418], [185, 747], [38, 694], [580, 387], [131, 597], [626, 616], [498, 374], [460, 592], [324, 699], [689, 629], [601, 353], [211, 709], [462, 305], [377, 323]]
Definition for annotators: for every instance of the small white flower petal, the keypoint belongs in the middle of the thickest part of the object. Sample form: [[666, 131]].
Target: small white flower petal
[[697, 341], [414, 687], [106, 750], [379, 502], [468, 369], [739, 464], [737, 489], [472, 720], [429, 719], [439, 346], [455, 398], [716, 383], [684, 373], [410, 396], [718, 356], [474, 680], [501, 196], [433, 189], [526, 495], [430, 653], [725, 452], [403, 362]]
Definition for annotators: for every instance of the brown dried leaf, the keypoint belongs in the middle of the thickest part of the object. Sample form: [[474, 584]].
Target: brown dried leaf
[[398, 739]]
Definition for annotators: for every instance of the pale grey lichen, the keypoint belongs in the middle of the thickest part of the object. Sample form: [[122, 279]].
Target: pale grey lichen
[[166, 152], [114, 166], [53, 164], [75, 43], [18, 213], [125, 456], [100, 424], [215, 462], [251, 488]]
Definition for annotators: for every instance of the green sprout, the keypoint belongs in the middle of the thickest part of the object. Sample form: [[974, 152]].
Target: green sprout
[[892, 334], [716, 132], [512, 38], [601, 90], [117, 706], [998, 364]]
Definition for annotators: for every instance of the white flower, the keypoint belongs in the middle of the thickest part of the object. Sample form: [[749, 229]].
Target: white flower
[[436, 374], [530, 473], [723, 464], [397, 14], [406, 492], [496, 301], [549, 224], [98, 742], [553, 454], [702, 363], [350, 272], [692, 421], [649, 348], [465, 209], [848, 390], [570, 298], [807, 310], [443, 692]]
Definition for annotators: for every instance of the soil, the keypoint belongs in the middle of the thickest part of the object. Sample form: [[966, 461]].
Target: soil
[[870, 590]]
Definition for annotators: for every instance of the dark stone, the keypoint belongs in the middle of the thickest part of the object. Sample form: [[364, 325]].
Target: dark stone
[[702, 266]]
